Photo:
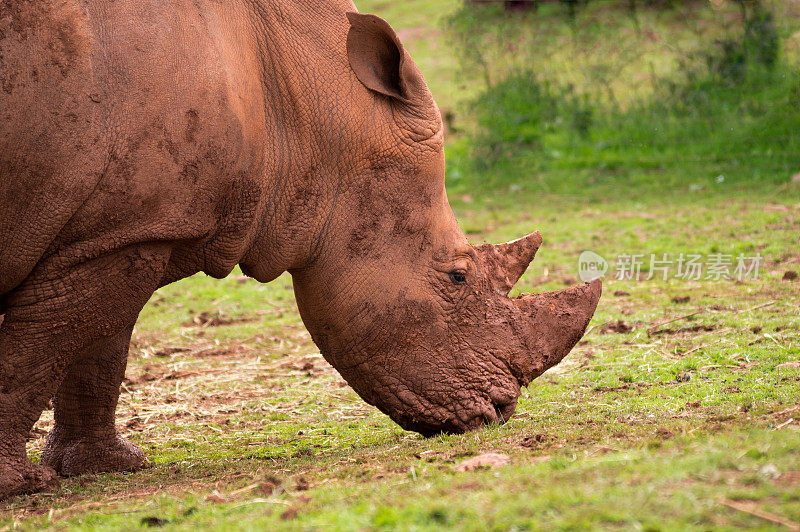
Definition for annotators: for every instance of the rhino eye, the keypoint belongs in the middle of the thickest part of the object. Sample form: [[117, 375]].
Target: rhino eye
[[458, 277]]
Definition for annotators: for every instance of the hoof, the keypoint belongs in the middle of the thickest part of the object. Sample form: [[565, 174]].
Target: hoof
[[19, 478], [77, 457]]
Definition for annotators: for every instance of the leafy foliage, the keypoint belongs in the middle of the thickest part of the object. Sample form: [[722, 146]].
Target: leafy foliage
[[727, 108]]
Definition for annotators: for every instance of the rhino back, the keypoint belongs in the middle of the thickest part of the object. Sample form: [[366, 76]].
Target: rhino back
[[146, 134]]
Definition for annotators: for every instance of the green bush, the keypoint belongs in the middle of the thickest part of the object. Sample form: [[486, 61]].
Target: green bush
[[522, 114], [729, 116], [758, 47]]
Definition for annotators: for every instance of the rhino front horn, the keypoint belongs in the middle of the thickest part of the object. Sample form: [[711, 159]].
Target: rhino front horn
[[508, 261], [558, 321]]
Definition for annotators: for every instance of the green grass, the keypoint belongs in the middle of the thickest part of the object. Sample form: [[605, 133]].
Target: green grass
[[248, 428], [630, 431]]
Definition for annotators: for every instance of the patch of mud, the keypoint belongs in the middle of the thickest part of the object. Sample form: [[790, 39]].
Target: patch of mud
[[205, 350], [684, 330], [310, 365], [293, 511], [169, 351], [215, 319], [789, 478], [535, 440], [484, 461], [664, 433], [622, 387], [619, 327]]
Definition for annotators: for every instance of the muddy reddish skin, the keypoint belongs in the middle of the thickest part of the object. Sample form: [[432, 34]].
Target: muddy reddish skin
[[144, 141]]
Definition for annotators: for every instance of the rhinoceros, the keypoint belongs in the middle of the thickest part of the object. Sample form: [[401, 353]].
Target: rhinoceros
[[144, 141]]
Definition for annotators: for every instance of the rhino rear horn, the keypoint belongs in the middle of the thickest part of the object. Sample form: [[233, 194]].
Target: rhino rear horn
[[557, 321], [505, 263]]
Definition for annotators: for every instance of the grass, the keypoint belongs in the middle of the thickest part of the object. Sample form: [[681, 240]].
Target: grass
[[693, 425], [248, 428]]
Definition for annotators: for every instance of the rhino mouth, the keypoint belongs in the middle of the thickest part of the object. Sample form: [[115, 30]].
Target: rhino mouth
[[501, 415], [504, 411], [484, 413]]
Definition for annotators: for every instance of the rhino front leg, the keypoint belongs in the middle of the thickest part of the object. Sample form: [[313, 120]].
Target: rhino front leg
[[84, 438], [53, 322]]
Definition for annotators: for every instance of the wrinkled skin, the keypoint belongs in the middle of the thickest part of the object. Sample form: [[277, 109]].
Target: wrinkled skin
[[143, 141]]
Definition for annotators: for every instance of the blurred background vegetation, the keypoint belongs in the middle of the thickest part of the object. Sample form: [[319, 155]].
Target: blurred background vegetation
[[589, 96]]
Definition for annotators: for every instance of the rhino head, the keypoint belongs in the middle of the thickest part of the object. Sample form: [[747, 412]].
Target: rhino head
[[416, 319]]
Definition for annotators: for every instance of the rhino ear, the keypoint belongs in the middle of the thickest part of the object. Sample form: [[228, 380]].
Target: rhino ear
[[377, 56]]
